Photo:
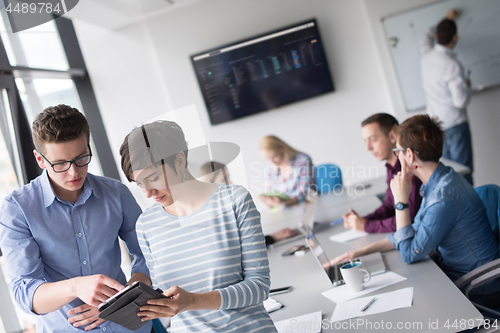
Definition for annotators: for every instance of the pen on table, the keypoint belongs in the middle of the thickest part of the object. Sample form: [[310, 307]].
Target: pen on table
[[337, 221], [368, 305]]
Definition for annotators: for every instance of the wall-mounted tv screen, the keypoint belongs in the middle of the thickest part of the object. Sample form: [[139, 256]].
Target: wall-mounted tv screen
[[263, 72]]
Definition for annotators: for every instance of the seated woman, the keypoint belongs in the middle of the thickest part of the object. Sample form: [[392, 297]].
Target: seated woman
[[215, 172], [289, 177], [452, 218], [203, 243]]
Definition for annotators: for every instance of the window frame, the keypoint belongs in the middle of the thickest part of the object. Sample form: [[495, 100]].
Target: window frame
[[78, 73]]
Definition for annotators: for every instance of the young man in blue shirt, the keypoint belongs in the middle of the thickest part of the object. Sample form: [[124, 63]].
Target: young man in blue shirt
[[59, 233]]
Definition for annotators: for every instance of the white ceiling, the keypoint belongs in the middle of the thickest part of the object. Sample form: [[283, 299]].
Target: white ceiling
[[136, 6], [115, 14]]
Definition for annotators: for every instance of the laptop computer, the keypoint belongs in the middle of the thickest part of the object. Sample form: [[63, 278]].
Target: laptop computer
[[307, 221], [371, 262]]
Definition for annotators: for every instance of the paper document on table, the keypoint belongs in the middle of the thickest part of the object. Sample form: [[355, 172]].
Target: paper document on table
[[401, 298], [271, 305], [309, 323], [343, 293], [348, 236]]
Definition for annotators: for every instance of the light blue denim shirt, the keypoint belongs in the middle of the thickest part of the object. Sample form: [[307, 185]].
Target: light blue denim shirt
[[452, 218], [46, 239]]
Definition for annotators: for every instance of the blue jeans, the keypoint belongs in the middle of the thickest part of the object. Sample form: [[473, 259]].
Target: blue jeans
[[457, 146]]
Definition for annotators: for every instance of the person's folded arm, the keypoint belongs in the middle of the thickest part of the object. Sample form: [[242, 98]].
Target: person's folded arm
[[383, 218], [254, 288], [418, 240], [385, 210], [382, 225]]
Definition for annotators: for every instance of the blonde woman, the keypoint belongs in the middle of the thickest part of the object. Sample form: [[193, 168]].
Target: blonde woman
[[290, 175]]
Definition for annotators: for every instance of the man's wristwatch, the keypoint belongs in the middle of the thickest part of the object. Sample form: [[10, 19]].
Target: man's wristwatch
[[401, 206]]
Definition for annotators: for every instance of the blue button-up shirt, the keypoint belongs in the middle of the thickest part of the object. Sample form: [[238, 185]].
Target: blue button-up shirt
[[452, 218], [46, 239]]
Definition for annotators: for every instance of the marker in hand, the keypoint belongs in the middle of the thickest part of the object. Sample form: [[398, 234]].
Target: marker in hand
[[337, 221]]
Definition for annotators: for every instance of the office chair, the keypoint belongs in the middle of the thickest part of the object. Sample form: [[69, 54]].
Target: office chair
[[328, 177], [490, 194]]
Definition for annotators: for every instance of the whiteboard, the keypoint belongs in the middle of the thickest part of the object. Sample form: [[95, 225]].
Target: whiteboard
[[478, 47]]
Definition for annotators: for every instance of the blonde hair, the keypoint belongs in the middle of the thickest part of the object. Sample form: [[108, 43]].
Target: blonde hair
[[274, 143]]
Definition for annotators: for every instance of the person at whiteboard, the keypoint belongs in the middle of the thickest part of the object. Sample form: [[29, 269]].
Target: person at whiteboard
[[447, 89], [290, 175]]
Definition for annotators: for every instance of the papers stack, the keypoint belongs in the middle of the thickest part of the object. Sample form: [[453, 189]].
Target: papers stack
[[349, 304], [398, 299]]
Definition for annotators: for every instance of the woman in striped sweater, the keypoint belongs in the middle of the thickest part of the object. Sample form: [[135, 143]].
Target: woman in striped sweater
[[203, 243]]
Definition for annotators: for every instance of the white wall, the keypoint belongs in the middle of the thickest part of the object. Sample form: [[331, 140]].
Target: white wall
[[124, 73], [125, 77], [144, 70], [326, 127]]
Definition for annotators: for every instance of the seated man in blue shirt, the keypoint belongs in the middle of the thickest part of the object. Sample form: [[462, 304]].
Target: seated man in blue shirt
[[452, 218], [59, 233]]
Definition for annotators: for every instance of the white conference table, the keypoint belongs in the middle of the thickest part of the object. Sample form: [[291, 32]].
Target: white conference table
[[436, 300]]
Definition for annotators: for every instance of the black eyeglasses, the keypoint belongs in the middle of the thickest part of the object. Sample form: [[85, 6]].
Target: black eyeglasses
[[396, 151], [65, 165]]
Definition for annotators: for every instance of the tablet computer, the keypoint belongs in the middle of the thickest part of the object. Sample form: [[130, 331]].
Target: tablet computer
[[122, 308]]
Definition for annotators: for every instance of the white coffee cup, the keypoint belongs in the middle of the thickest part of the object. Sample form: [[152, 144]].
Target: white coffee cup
[[354, 276]]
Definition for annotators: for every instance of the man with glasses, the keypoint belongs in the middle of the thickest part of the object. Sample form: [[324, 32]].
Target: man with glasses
[[59, 234], [379, 131]]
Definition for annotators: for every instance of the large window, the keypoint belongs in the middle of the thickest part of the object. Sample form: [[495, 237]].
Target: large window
[[40, 67]]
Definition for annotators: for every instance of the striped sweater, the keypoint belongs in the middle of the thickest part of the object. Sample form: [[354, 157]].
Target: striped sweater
[[219, 247]]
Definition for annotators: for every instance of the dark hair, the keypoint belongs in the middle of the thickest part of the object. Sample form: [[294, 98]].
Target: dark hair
[[60, 123], [445, 31], [215, 168], [152, 144], [423, 134], [385, 121]]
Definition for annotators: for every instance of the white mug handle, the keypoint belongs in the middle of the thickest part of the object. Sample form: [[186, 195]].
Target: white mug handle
[[367, 273]]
